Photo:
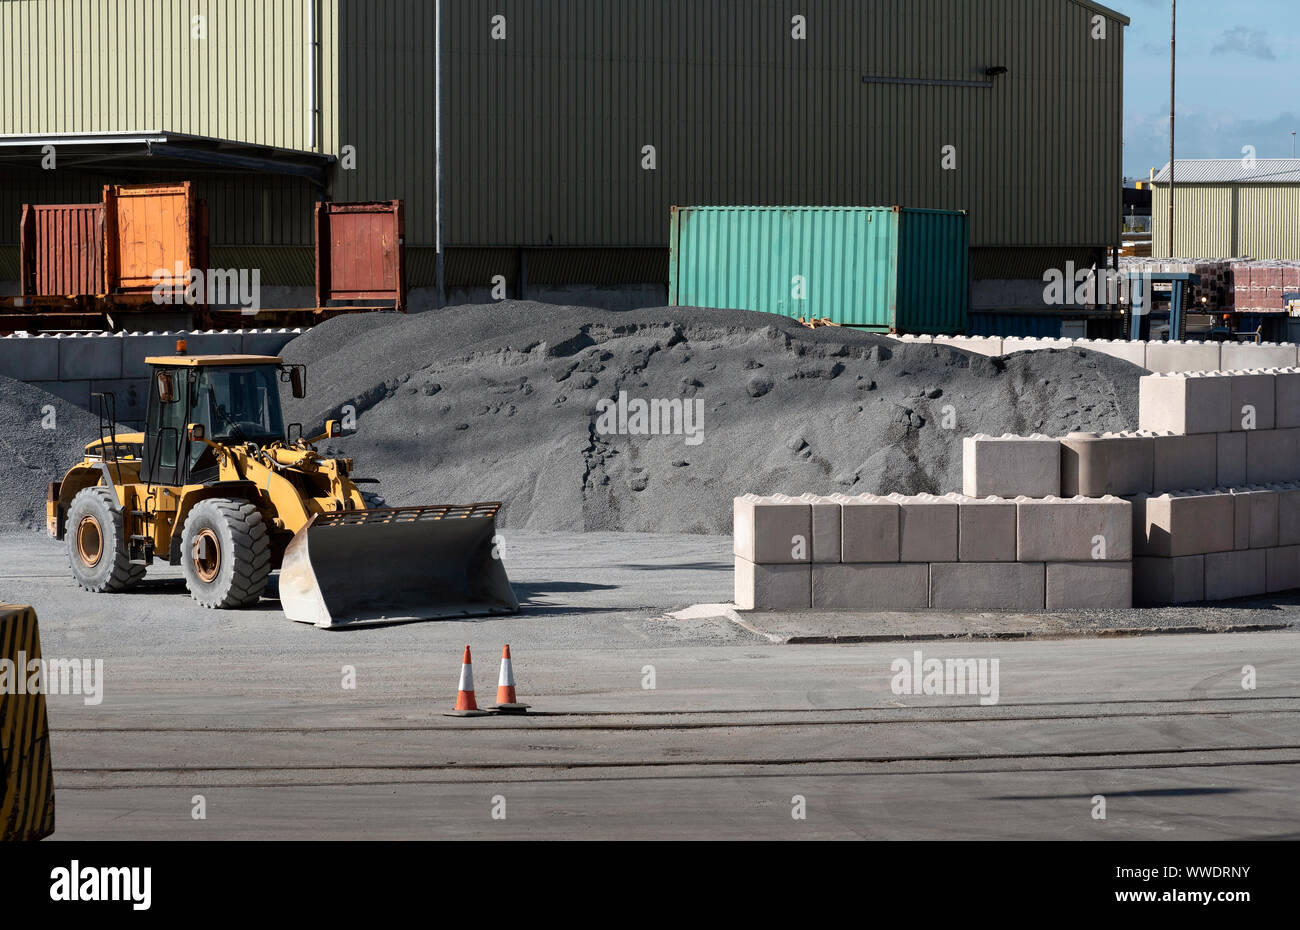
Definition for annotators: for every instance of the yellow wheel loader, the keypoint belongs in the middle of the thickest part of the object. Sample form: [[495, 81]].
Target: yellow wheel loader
[[217, 485]]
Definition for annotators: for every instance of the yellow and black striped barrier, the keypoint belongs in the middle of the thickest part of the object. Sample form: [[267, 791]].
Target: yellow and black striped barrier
[[26, 775]]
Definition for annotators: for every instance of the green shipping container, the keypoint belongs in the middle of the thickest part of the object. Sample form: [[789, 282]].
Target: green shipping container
[[887, 269]]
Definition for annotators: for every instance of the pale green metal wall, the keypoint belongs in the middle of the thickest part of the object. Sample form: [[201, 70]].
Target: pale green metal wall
[[544, 131], [1228, 221]]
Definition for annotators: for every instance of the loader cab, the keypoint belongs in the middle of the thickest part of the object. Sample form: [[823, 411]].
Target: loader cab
[[236, 398]]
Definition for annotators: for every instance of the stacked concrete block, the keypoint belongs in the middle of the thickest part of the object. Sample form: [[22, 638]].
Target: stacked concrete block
[[990, 346], [1240, 573], [1012, 344], [1281, 569], [1076, 529], [1242, 356], [1271, 455], [1180, 462], [1093, 584], [1255, 517], [1183, 523], [1184, 403], [1129, 351], [1182, 356], [869, 528], [1178, 580], [1288, 514], [1253, 400], [1230, 464], [1286, 397], [96, 357], [30, 358], [986, 529], [772, 544], [871, 586], [826, 527], [1101, 464], [987, 586], [1011, 466], [927, 528]]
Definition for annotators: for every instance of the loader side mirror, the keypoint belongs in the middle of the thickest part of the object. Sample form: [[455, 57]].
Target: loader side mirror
[[197, 432], [296, 382], [333, 429], [166, 387]]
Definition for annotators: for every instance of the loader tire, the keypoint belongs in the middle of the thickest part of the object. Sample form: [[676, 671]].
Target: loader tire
[[97, 543], [225, 553]]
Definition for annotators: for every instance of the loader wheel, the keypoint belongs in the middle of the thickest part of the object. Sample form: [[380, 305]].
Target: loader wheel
[[97, 544], [225, 553]]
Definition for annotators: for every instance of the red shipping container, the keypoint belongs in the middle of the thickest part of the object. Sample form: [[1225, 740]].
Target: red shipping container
[[61, 250], [361, 252]]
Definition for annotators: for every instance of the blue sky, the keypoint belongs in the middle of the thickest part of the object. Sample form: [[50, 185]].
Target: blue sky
[[1238, 80]]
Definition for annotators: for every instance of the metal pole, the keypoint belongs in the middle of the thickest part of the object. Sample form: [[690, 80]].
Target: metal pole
[[437, 144], [1173, 38]]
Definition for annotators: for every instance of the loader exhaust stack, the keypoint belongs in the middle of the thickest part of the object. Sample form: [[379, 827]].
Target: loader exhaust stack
[[394, 565]]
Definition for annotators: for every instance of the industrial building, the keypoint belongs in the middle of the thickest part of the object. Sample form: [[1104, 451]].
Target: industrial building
[[571, 127], [1229, 208]]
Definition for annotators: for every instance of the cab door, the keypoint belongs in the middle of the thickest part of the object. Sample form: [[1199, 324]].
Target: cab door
[[166, 444]]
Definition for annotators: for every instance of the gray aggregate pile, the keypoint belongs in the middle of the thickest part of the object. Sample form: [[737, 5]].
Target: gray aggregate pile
[[32, 456], [500, 402]]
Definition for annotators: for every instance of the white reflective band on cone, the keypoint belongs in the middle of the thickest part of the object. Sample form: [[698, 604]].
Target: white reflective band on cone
[[507, 679], [466, 677]]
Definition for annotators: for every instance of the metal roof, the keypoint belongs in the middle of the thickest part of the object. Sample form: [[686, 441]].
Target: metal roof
[[1232, 171]]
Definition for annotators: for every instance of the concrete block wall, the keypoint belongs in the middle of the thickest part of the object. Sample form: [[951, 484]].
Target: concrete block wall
[[73, 367], [901, 552], [1165, 357], [1216, 544]]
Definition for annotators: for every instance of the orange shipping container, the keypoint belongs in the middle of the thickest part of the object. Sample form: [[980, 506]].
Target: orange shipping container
[[152, 232]]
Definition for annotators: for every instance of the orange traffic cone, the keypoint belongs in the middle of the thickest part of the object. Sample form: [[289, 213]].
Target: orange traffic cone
[[466, 706], [506, 702]]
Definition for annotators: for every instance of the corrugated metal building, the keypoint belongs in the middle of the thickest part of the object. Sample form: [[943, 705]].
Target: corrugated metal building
[[1229, 208], [549, 110]]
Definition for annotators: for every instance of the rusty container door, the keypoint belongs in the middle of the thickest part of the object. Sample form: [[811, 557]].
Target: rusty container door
[[360, 252], [151, 237], [62, 250]]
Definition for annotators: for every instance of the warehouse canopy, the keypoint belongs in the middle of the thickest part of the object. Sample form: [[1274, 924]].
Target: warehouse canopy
[[1232, 171], [156, 151]]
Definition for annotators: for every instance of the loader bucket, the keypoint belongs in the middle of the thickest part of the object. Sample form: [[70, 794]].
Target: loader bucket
[[394, 565]]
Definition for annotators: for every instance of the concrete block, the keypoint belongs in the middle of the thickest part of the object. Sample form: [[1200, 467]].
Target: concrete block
[[1185, 403], [76, 392], [1230, 469], [927, 528], [131, 394], [1133, 352], [1074, 529], [1271, 456], [90, 357], [825, 527], [1078, 585], [1184, 462], [1012, 344], [1251, 356], [1178, 580], [266, 341], [1253, 400], [1282, 569], [1286, 398], [29, 358], [1242, 573], [770, 530], [1011, 466], [987, 586], [1097, 464], [772, 587], [986, 529], [990, 346], [1179, 524], [139, 346], [864, 586], [1255, 518], [1182, 356], [869, 528], [1288, 514]]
